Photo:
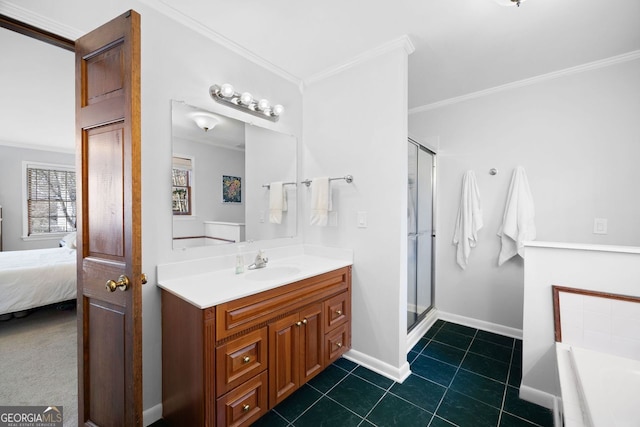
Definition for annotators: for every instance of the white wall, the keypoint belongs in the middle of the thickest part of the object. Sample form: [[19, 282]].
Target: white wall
[[37, 85], [11, 193], [578, 139], [352, 127], [613, 270]]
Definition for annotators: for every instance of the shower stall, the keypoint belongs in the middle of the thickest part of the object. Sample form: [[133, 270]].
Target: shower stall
[[421, 235]]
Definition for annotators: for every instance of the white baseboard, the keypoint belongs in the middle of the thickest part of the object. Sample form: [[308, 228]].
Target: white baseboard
[[151, 415], [396, 374], [538, 397], [418, 332], [481, 324]]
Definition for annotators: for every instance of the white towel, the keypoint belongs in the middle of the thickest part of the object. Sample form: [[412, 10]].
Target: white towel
[[320, 201], [469, 220], [277, 202], [518, 221]]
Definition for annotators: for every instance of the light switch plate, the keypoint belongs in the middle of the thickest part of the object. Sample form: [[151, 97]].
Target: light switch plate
[[362, 219], [599, 226]]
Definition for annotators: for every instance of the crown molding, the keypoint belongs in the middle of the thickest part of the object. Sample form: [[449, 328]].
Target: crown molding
[[402, 42], [21, 14], [618, 59], [29, 146], [174, 14]]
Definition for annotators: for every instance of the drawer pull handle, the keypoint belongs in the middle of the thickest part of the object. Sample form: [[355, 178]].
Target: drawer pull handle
[[298, 323], [304, 321], [339, 344], [246, 408], [339, 312], [246, 359]]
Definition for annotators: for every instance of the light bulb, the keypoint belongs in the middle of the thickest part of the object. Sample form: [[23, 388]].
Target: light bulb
[[226, 90], [263, 105], [277, 109], [246, 98]]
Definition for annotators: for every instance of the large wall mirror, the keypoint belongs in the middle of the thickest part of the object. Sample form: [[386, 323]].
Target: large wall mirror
[[223, 171]]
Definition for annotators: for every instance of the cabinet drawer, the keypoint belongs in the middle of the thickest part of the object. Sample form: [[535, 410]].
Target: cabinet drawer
[[240, 359], [234, 316], [245, 404], [337, 342], [337, 311]]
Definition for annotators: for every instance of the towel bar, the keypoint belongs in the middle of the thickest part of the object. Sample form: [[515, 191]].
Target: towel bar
[[348, 178], [267, 186]]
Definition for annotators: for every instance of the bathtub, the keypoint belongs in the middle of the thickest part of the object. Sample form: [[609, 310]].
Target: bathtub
[[605, 389]]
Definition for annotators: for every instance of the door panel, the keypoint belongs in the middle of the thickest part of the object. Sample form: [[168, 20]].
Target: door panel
[[109, 229], [105, 195], [312, 342], [284, 368]]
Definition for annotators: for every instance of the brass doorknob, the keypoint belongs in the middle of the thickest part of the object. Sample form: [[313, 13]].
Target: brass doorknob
[[304, 321], [339, 345], [122, 284], [245, 408], [339, 312], [143, 279], [246, 359]]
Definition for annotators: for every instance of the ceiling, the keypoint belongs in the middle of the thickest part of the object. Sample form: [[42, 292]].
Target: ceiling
[[461, 46]]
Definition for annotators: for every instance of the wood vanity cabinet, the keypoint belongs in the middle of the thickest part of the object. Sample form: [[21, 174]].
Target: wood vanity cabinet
[[228, 365]]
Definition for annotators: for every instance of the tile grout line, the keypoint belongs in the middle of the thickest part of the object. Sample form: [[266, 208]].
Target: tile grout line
[[452, 378], [506, 388]]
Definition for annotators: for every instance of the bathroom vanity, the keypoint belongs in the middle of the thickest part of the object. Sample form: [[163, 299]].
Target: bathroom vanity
[[234, 346]]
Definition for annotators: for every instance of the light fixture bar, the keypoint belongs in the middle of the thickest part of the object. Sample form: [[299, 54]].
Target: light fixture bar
[[225, 94]]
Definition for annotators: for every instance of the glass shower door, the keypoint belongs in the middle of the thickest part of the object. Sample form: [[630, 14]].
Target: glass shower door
[[420, 236]]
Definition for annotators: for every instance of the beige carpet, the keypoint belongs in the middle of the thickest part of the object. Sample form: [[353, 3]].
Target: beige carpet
[[38, 361]]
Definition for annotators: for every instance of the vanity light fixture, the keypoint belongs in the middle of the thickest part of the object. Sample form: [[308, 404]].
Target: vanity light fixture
[[227, 95], [205, 121]]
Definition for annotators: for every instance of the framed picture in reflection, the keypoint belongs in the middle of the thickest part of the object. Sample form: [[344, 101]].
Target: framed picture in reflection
[[231, 189]]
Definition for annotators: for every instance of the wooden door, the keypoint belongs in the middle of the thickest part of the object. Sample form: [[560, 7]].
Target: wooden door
[[284, 360], [311, 342], [109, 243]]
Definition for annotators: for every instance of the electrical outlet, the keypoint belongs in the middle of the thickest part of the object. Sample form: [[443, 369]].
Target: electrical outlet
[[599, 226]]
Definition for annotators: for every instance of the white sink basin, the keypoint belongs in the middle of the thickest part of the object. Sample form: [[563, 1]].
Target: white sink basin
[[271, 273]]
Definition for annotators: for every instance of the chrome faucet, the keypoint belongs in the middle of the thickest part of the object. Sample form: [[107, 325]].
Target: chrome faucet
[[260, 261]]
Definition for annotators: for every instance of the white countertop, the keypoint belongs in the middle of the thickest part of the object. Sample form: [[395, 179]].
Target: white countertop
[[205, 287]]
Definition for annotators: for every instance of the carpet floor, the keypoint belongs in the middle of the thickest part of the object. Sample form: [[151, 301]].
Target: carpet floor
[[38, 361]]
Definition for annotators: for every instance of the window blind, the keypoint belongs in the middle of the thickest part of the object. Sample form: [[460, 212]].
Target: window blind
[[51, 200]]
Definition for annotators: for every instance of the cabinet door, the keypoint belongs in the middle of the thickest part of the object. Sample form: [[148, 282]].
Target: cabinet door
[[311, 342], [284, 361]]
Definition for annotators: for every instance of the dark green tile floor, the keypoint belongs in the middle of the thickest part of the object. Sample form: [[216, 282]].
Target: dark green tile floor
[[460, 376]]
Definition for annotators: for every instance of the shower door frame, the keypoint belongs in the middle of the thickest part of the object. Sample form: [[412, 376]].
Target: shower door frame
[[422, 315]]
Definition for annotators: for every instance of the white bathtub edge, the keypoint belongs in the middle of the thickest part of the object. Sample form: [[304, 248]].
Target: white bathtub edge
[[569, 404]]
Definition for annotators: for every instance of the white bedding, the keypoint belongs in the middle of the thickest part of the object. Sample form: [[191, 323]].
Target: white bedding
[[35, 278]]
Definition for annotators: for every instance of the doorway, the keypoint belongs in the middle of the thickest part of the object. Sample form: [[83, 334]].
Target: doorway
[[420, 232]]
